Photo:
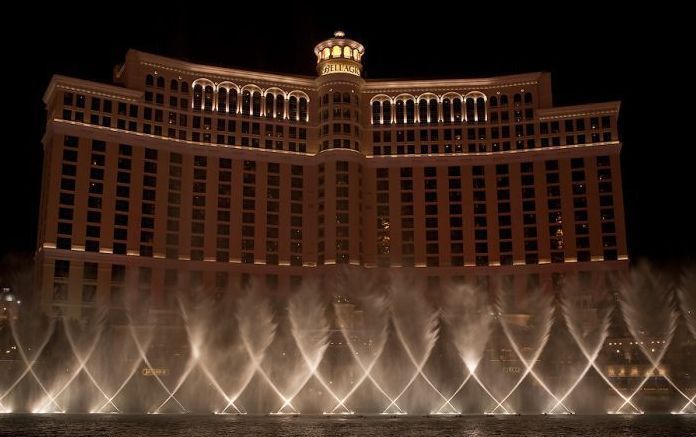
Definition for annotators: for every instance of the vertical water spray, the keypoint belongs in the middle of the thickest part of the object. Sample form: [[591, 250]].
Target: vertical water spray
[[648, 308], [538, 320], [198, 325], [257, 330], [142, 347], [375, 309], [83, 357], [385, 351], [29, 363], [310, 329], [589, 328], [687, 303], [416, 326], [469, 318], [91, 340], [128, 378], [687, 300]]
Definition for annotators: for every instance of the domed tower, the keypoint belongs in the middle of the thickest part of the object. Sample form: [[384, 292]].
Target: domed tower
[[339, 68], [339, 55], [341, 161]]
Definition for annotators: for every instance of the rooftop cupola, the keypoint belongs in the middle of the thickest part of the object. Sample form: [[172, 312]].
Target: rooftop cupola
[[339, 55]]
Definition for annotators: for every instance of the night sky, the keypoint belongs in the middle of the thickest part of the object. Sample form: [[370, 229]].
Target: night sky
[[594, 54]]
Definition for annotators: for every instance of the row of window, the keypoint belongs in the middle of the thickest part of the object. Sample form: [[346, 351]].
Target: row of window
[[201, 194], [228, 98], [203, 127], [504, 214]]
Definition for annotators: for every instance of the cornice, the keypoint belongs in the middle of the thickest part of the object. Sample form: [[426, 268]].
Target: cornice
[[220, 73], [579, 110], [384, 86], [508, 155], [89, 87], [174, 144]]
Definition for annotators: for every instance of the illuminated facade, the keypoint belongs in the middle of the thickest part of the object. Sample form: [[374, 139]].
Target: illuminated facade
[[191, 176]]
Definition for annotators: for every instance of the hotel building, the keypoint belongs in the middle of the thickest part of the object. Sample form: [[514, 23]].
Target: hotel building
[[186, 176]]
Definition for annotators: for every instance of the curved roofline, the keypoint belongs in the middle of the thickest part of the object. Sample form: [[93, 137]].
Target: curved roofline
[[72, 83], [222, 73], [507, 80]]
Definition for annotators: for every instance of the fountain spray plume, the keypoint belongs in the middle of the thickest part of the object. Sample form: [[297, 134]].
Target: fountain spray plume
[[22, 349], [589, 328], [83, 352], [687, 299], [310, 329], [469, 317], [199, 323], [143, 341], [129, 376], [687, 302], [91, 334], [649, 311], [257, 330], [416, 326], [539, 320], [374, 330]]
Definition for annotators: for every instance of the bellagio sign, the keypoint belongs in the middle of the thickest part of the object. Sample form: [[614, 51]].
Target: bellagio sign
[[332, 67]]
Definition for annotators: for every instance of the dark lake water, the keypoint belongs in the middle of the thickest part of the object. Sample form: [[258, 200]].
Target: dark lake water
[[479, 426]]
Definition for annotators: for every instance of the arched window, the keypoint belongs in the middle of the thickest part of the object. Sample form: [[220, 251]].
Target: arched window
[[527, 98], [423, 111], [246, 102], [457, 109], [222, 100], [481, 109], [280, 107], [517, 99], [470, 110], [208, 98], [149, 80], [174, 85], [386, 112], [197, 96], [346, 97], [376, 112], [399, 111], [503, 100], [410, 111], [493, 101], [233, 101], [292, 108], [347, 52], [303, 109], [433, 110], [269, 105], [356, 54], [336, 52], [160, 82], [337, 97], [184, 87], [326, 53], [256, 103], [447, 111]]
